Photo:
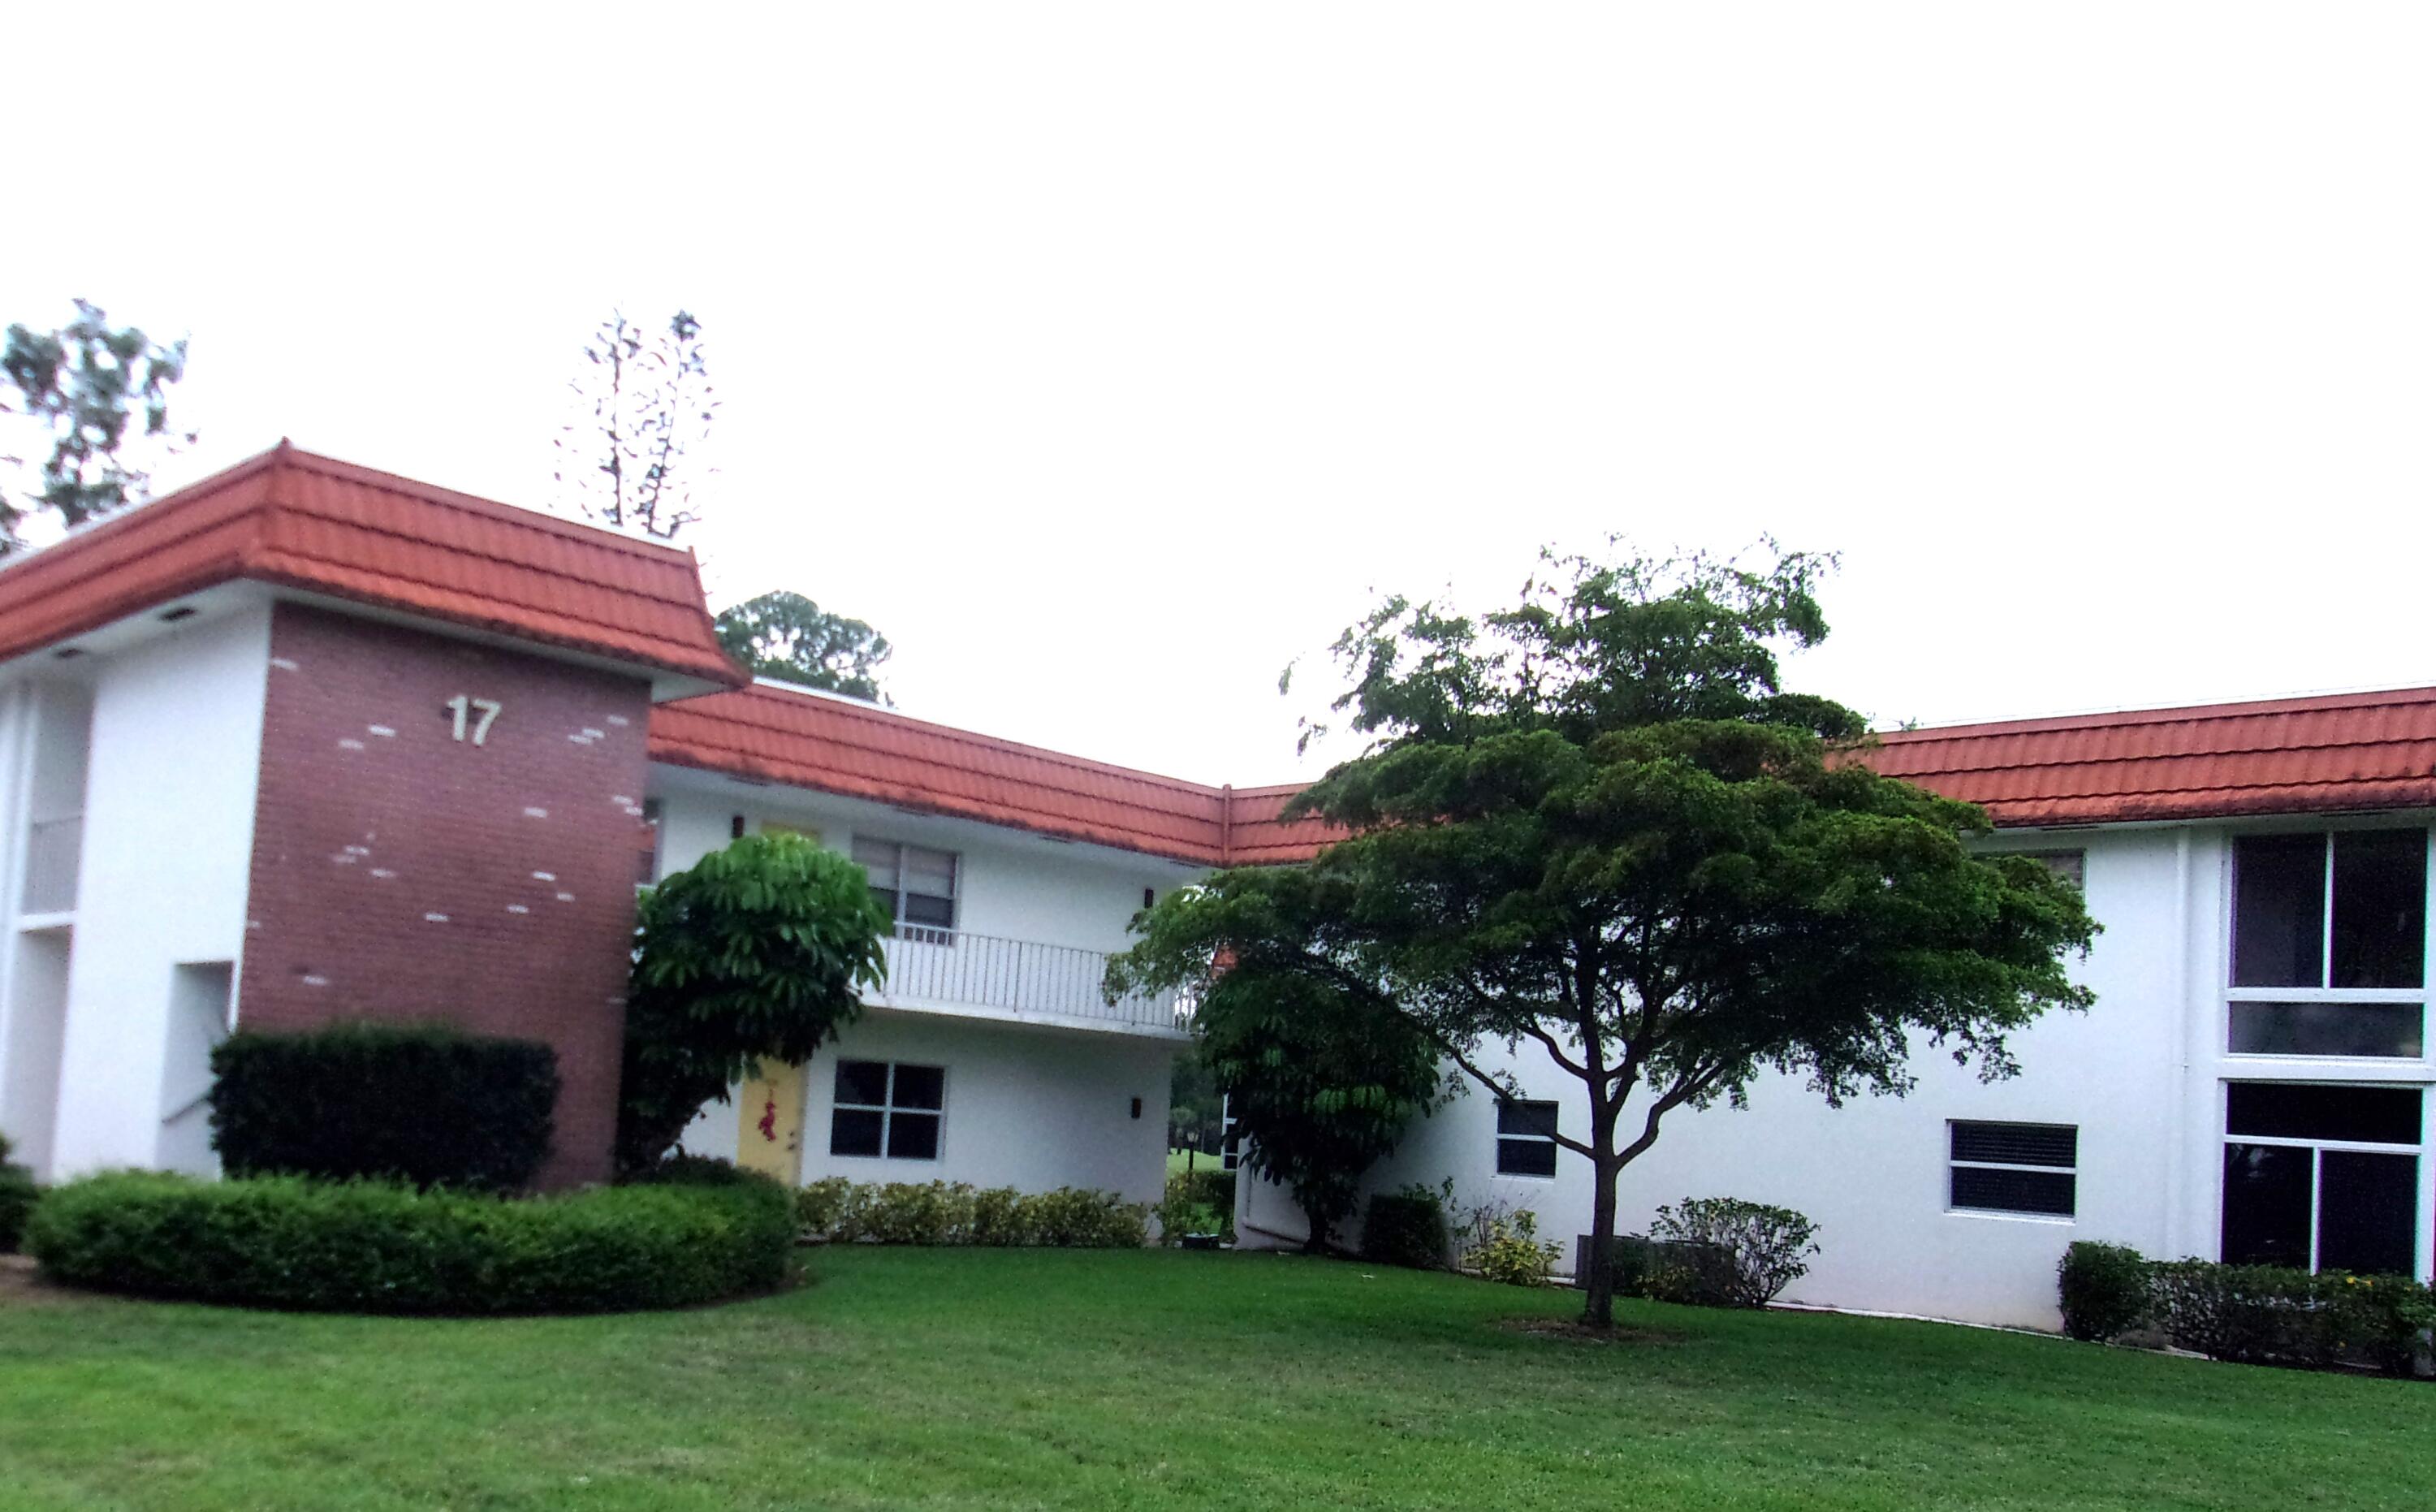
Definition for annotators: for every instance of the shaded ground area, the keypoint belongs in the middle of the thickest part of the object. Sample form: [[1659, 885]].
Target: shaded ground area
[[995, 1379]]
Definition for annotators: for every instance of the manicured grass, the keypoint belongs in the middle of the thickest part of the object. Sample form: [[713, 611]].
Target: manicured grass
[[998, 1379], [1176, 1158]]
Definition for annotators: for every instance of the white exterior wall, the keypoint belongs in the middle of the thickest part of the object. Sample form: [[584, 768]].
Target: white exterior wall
[[1027, 1107], [2140, 1075], [1010, 884], [1030, 1105], [168, 841], [42, 733]]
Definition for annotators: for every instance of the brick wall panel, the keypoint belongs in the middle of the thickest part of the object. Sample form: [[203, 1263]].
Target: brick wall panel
[[400, 873]]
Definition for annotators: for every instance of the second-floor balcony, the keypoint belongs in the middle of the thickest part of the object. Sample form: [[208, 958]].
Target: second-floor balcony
[[987, 976]]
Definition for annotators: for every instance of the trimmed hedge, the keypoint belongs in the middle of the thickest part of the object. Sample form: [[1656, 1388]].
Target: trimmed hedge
[[1406, 1229], [17, 1197], [281, 1241], [2267, 1315], [2261, 1315], [420, 1104], [941, 1212]]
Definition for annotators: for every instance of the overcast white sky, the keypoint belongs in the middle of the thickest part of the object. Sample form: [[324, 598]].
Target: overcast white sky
[[1106, 357]]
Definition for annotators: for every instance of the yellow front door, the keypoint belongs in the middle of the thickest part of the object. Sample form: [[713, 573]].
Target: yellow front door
[[770, 1123]]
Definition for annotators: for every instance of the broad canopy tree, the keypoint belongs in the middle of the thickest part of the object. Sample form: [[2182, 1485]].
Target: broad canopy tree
[[788, 637], [758, 952], [1596, 821], [1321, 1081]]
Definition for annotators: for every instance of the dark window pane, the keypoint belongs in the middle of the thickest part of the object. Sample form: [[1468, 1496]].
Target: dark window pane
[[2366, 1212], [2325, 1028], [2265, 1206], [923, 1087], [853, 1131], [2303, 1110], [913, 1136], [1526, 1157], [2018, 1144], [1526, 1117], [2279, 899], [864, 1082], [937, 912], [886, 899], [2014, 1192], [2380, 908], [2067, 864]]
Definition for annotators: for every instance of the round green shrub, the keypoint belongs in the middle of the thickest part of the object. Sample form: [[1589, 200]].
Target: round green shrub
[[2102, 1290], [1406, 1229], [281, 1241]]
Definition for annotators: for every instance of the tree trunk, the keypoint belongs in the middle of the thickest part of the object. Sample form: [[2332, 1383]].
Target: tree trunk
[[1598, 1287]]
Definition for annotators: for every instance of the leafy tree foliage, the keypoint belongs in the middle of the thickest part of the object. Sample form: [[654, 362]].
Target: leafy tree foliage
[[757, 952], [83, 387], [1196, 1109], [1322, 1080], [644, 403], [786, 635], [1596, 821]]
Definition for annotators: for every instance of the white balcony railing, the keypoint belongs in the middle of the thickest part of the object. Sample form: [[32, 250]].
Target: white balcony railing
[[53, 847], [1020, 976]]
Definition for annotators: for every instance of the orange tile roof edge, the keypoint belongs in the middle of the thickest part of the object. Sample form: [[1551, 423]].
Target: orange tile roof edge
[[295, 520], [2323, 754]]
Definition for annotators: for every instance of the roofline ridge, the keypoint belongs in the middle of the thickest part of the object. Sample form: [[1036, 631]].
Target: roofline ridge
[[980, 738], [2103, 719]]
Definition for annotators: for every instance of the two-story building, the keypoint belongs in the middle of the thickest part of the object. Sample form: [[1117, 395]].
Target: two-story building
[[306, 741], [2253, 1084]]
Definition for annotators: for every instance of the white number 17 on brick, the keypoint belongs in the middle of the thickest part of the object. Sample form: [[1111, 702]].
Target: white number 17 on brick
[[484, 710]]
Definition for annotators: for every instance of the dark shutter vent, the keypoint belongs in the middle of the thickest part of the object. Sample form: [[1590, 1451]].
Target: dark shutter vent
[[2014, 1192], [2018, 1144]]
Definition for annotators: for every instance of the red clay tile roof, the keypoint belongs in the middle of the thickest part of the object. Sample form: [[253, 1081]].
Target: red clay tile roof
[[2345, 752], [2338, 753], [836, 745], [1257, 835], [291, 518]]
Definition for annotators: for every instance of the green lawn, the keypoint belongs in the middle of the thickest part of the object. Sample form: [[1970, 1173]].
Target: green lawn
[[1001, 1378]]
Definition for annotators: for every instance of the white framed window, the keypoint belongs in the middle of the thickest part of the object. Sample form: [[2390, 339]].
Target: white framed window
[[888, 1108], [1230, 1139], [2321, 1176], [2024, 1169], [916, 886], [2329, 945], [1526, 1138]]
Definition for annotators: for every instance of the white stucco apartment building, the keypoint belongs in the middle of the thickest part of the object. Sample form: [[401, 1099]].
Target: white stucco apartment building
[[306, 742], [2251, 1084]]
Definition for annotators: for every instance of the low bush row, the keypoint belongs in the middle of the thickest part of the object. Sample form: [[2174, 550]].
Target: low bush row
[[2253, 1313], [942, 1212], [424, 1105], [365, 1247]]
